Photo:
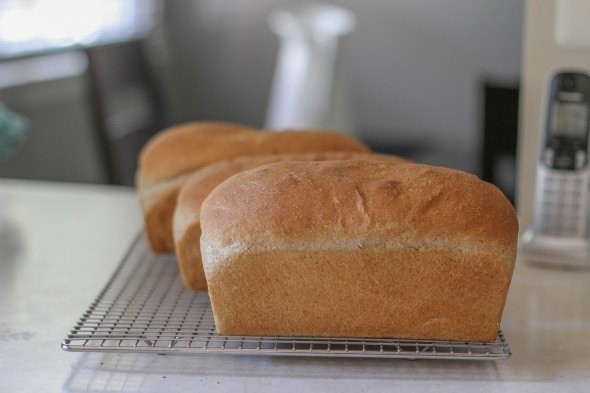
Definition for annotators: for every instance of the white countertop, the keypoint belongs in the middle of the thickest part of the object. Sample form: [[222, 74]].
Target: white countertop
[[60, 243]]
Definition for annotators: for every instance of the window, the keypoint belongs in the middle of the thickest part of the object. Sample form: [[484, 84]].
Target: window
[[28, 26]]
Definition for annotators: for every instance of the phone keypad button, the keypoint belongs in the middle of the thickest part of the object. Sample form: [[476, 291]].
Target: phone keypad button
[[562, 205]]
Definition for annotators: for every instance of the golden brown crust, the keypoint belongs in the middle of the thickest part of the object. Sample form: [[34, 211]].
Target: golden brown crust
[[159, 220], [353, 293], [192, 273], [358, 248], [186, 222], [411, 201], [175, 153], [177, 149], [186, 147]]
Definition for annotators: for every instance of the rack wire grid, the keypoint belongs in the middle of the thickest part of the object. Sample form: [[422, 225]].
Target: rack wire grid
[[144, 307]]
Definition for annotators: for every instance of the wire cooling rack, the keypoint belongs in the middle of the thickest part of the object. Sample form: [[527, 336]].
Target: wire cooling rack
[[144, 307]]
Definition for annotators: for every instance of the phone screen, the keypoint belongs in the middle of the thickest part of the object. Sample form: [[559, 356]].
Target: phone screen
[[569, 119]]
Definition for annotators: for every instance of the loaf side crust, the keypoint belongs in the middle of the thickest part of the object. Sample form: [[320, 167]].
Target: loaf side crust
[[158, 203], [367, 292]]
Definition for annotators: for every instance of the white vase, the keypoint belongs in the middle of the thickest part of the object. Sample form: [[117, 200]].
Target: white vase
[[307, 90]]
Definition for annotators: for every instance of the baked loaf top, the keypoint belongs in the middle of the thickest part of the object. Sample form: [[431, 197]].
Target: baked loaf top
[[355, 202], [182, 148], [172, 150]]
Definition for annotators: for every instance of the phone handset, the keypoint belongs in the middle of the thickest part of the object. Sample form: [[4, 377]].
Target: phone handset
[[559, 232]]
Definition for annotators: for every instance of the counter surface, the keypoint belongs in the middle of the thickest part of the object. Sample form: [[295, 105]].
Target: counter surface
[[59, 244]]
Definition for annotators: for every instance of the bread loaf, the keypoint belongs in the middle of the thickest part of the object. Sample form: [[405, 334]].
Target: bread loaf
[[358, 249], [187, 223], [170, 157]]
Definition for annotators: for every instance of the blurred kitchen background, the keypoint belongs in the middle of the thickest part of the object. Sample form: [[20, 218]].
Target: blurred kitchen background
[[90, 81]]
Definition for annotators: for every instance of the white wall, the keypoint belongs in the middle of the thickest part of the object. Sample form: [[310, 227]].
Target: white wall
[[414, 68], [540, 57]]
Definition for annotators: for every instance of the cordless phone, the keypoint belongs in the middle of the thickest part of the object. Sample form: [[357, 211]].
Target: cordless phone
[[559, 232]]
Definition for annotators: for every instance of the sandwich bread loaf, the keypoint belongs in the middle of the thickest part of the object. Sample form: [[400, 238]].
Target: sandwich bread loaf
[[358, 249]]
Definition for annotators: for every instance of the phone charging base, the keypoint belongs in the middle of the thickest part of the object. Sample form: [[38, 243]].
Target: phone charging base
[[556, 251]]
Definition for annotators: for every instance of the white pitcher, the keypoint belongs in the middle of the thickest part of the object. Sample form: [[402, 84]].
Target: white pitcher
[[306, 90]]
